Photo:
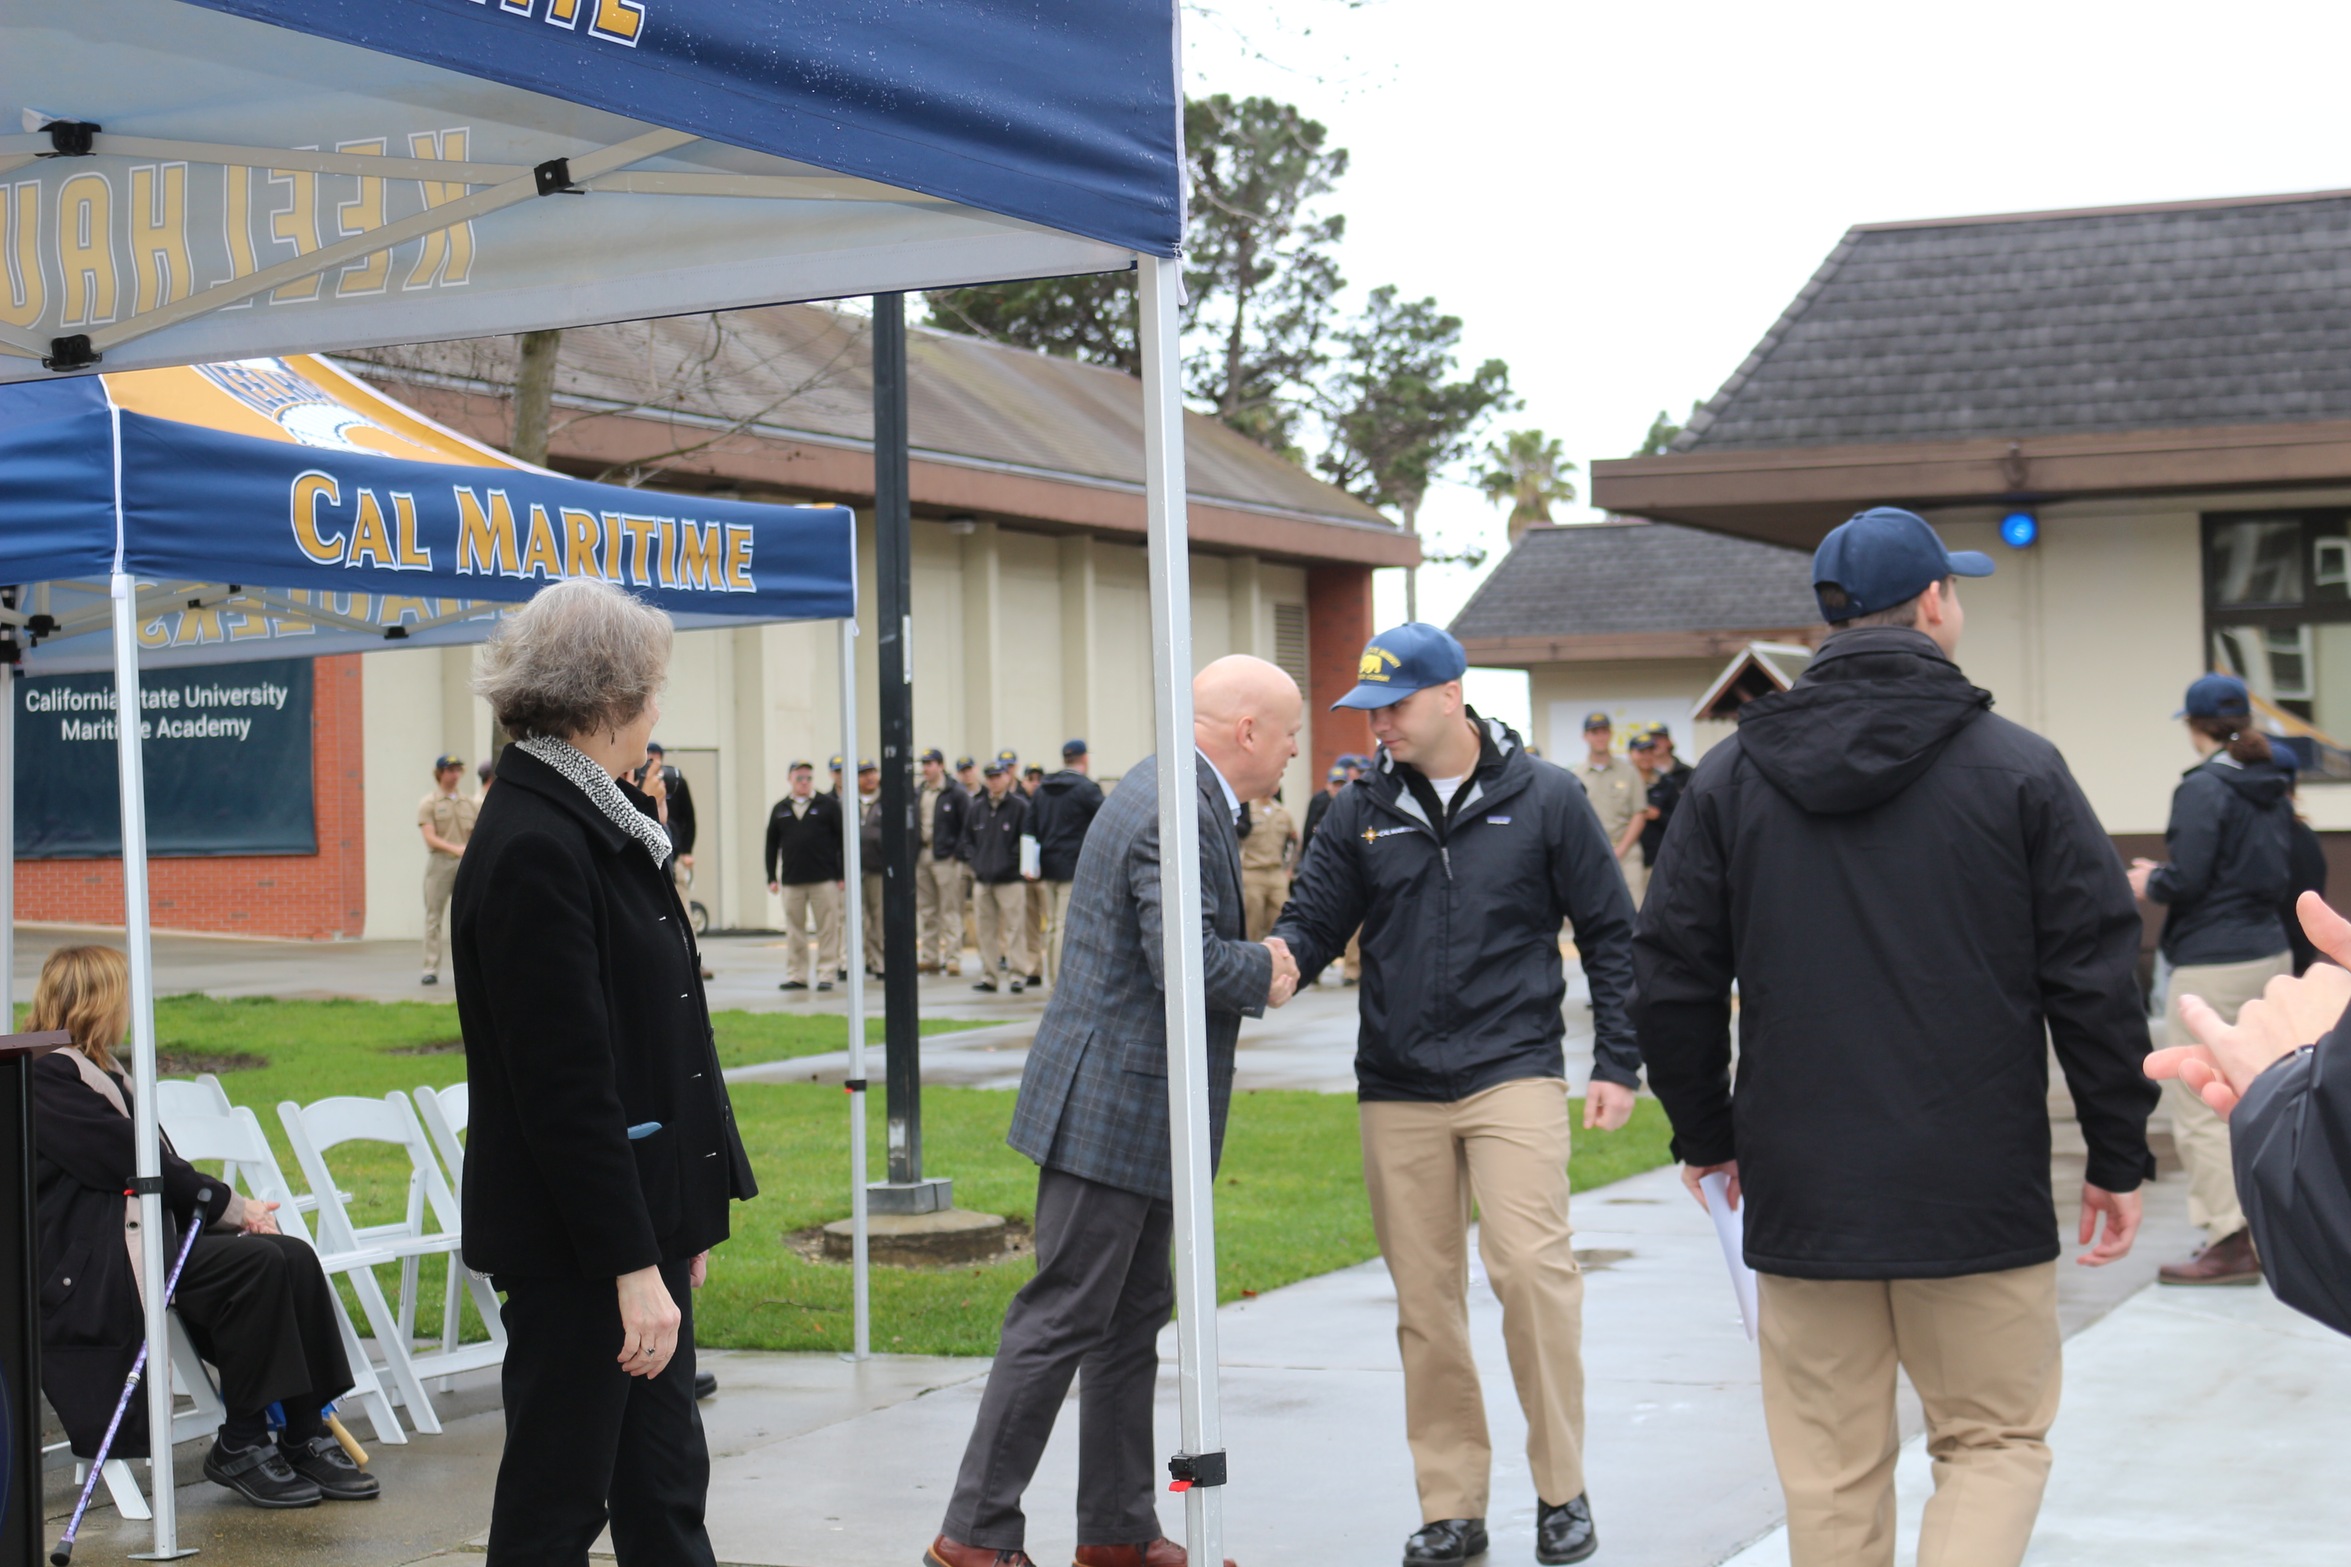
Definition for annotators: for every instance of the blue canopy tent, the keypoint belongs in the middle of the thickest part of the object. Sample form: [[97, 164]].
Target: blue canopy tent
[[208, 180]]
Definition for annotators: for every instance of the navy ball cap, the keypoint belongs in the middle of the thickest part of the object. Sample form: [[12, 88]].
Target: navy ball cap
[[1398, 662], [1883, 557], [2216, 696]]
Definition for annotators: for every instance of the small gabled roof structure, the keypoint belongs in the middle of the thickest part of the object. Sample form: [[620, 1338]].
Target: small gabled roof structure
[[1760, 669], [2102, 351], [1631, 588]]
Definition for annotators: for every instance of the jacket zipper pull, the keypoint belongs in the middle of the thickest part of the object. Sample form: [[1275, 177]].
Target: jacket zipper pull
[[1445, 852]]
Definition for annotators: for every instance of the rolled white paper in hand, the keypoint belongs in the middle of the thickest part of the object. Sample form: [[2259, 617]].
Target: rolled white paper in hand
[[1730, 1229]]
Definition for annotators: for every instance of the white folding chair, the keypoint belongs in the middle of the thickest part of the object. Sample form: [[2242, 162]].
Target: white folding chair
[[204, 1095], [429, 1227], [444, 1112], [234, 1138]]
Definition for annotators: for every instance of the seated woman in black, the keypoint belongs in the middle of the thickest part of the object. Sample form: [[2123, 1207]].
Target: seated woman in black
[[255, 1302]]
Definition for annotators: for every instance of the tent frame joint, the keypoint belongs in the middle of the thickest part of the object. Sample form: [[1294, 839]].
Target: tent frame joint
[[71, 353], [71, 138], [554, 178], [1186, 1470]]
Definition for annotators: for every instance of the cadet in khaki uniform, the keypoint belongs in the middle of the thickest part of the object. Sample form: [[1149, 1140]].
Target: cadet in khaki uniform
[[1040, 919], [967, 776], [938, 867], [1617, 791], [1267, 855], [445, 820]]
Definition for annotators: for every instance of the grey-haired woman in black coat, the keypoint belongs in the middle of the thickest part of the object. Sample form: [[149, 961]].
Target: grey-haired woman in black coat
[[602, 1150]]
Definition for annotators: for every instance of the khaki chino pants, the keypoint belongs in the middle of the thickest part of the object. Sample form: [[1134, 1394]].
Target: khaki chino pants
[[440, 880], [1983, 1352], [2201, 1135], [1056, 924], [809, 903], [873, 924], [1423, 1164], [1004, 926], [1262, 895], [938, 898]]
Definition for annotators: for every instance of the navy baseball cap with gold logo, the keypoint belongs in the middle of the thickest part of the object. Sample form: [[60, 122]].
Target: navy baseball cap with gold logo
[[1412, 657]]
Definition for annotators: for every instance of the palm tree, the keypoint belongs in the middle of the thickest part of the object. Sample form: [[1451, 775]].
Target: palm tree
[[1528, 471]]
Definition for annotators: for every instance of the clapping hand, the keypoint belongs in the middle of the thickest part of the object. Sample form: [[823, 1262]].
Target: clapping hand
[[2290, 1013], [1285, 972]]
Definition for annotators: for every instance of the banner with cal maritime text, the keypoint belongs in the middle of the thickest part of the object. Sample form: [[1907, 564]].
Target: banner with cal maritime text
[[226, 750]]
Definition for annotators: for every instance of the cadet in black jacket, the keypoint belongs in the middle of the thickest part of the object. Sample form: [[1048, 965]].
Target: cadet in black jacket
[[804, 866], [991, 847], [2288, 1056], [1914, 900], [603, 1150], [2230, 873], [1061, 810], [1458, 857]]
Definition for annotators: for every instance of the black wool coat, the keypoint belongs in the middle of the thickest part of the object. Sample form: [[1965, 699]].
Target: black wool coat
[[91, 1318], [579, 991]]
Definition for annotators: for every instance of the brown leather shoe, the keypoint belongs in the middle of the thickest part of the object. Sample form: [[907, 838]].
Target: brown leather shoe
[[2229, 1261], [954, 1553], [1162, 1552]]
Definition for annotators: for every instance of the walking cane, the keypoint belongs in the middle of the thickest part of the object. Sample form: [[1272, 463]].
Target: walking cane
[[64, 1552]]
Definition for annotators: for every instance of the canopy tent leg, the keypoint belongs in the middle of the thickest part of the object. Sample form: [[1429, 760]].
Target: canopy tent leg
[[1179, 873], [853, 952], [149, 1155]]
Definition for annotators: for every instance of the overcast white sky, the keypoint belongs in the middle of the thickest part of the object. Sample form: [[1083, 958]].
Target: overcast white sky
[[1618, 199]]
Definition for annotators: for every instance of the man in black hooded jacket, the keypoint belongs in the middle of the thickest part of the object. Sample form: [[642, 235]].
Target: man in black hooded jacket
[[1914, 900], [1458, 858]]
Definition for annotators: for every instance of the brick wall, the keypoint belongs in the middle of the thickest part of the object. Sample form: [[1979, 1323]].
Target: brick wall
[[1338, 624], [307, 897]]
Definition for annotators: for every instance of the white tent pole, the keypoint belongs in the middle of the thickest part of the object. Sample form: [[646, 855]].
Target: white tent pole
[[148, 1149], [1179, 900], [853, 956]]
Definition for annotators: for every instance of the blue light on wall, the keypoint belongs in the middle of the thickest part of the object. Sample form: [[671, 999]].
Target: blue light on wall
[[2020, 530]]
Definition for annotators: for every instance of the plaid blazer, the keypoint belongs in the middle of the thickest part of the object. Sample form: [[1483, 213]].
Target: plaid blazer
[[1093, 1097]]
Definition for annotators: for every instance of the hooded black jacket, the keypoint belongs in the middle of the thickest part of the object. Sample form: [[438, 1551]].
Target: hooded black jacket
[[1913, 897], [1063, 807], [1462, 982], [2230, 845]]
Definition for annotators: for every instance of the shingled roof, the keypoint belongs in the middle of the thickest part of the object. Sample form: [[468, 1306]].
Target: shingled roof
[[804, 373], [2124, 318], [1609, 579]]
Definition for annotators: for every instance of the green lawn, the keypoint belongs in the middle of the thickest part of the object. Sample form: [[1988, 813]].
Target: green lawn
[[309, 1050], [1289, 1199], [1289, 1205]]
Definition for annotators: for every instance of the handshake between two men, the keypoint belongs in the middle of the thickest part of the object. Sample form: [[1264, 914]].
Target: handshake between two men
[[1285, 972]]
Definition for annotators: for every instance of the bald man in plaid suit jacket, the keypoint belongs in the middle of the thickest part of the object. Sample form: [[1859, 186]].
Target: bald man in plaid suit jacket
[[1093, 1113]]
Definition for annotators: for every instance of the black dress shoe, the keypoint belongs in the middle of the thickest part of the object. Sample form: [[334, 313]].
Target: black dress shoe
[[987, 985], [260, 1475], [1564, 1533], [793, 984], [1446, 1542], [322, 1462], [705, 1384]]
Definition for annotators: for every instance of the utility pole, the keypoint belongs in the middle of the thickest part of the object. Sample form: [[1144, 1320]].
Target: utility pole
[[906, 1191]]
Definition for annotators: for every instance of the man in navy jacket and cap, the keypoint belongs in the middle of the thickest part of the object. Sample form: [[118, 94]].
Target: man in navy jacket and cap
[[1459, 855], [1915, 902]]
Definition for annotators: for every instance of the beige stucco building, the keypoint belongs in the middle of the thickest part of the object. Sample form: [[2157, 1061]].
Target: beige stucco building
[[1031, 623], [2165, 391]]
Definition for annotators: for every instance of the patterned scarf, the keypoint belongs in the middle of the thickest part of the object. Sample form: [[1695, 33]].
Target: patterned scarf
[[597, 785]]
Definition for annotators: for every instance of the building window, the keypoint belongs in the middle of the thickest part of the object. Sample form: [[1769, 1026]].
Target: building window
[[2277, 610]]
